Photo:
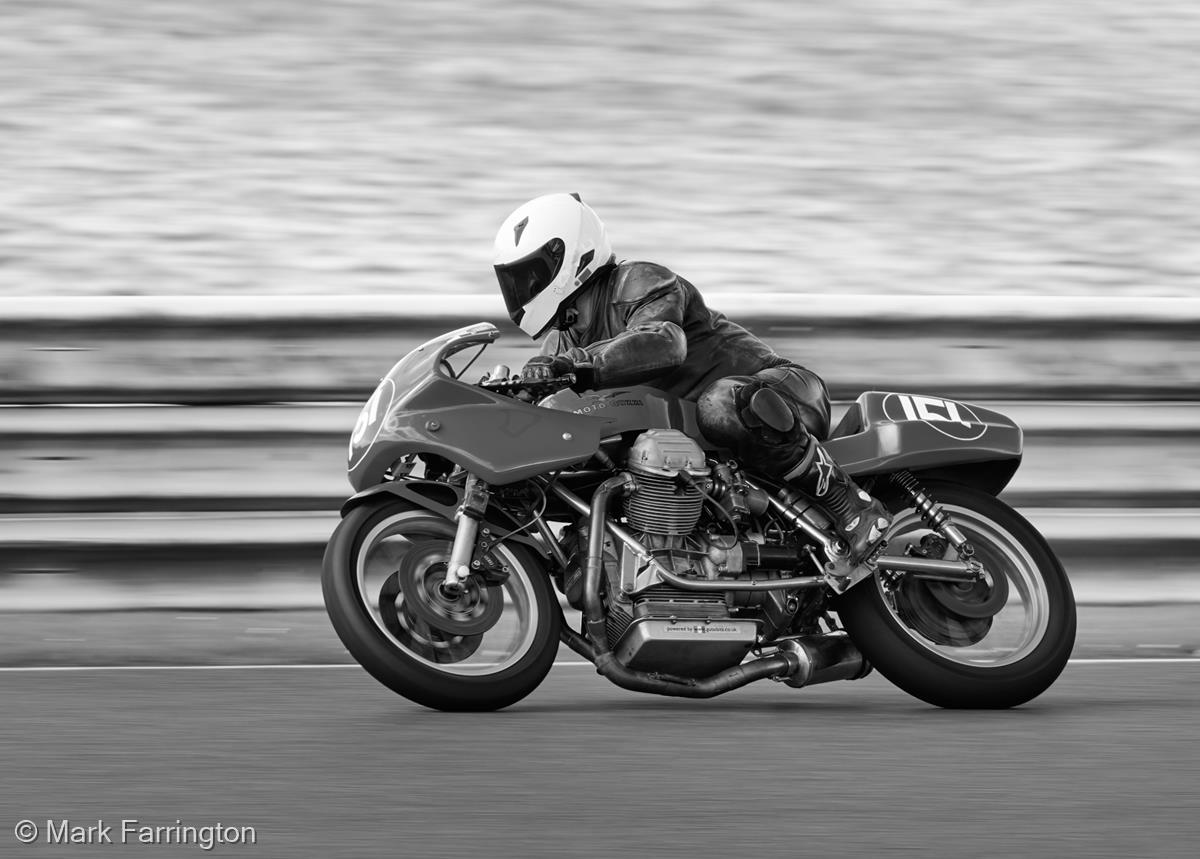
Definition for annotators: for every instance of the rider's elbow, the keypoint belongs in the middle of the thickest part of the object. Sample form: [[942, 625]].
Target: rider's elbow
[[671, 343]]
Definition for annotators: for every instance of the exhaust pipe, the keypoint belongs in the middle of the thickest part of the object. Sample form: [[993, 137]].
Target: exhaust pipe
[[800, 661], [824, 658], [779, 666], [593, 568]]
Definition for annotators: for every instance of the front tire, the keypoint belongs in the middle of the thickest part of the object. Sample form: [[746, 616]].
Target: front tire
[[992, 658], [486, 652]]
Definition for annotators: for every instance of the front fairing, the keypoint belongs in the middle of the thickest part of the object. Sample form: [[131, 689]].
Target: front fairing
[[419, 407]]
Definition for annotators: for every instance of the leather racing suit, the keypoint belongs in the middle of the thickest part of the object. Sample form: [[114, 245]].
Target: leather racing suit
[[638, 322]]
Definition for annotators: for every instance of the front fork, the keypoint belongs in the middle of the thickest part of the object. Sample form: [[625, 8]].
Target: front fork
[[470, 513]]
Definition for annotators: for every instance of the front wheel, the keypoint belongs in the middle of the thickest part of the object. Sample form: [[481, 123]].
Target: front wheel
[[991, 645], [484, 649]]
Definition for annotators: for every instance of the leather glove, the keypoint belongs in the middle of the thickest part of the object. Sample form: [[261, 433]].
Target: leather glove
[[542, 368]]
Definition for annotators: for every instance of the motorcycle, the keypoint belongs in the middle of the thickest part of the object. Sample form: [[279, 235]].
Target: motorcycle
[[481, 508]]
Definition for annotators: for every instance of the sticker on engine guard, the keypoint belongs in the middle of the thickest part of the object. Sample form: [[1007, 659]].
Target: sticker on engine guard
[[952, 419]]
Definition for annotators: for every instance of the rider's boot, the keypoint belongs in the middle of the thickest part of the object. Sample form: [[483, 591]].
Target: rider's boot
[[860, 519]]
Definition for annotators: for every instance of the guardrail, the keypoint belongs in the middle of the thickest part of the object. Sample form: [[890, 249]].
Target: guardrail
[[197, 458], [328, 348], [228, 499]]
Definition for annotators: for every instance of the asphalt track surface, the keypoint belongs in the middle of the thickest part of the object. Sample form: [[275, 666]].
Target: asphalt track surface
[[323, 761]]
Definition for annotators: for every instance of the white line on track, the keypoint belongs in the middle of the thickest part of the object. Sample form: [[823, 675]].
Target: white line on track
[[1139, 660], [1164, 660], [276, 666]]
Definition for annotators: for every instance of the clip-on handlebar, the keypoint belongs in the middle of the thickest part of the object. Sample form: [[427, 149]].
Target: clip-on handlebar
[[526, 390]]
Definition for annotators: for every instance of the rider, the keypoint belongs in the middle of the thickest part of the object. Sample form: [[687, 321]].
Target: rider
[[621, 323]]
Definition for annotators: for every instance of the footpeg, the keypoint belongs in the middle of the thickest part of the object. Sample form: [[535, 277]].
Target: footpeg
[[841, 573]]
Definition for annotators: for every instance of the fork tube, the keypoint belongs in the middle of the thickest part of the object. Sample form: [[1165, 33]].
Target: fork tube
[[470, 512]]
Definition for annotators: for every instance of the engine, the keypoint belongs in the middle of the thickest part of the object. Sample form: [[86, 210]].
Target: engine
[[660, 627], [655, 625], [669, 468]]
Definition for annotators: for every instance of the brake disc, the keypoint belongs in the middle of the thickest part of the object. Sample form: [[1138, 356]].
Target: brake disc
[[976, 599], [415, 634], [472, 611], [919, 607]]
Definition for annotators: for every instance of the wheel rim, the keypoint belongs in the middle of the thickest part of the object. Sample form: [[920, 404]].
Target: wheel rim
[[377, 571], [1016, 629]]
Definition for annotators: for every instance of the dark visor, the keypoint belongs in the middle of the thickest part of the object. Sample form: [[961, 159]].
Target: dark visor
[[520, 281]]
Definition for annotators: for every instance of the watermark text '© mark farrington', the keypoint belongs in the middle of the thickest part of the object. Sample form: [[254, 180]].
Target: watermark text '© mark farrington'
[[131, 831]]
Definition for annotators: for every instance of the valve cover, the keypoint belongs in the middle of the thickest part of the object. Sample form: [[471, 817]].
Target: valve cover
[[666, 452]]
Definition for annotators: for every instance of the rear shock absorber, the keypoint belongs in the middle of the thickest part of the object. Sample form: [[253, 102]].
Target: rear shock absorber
[[932, 514]]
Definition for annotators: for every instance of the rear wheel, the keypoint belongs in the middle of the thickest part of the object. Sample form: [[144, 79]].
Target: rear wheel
[[483, 649], [986, 645]]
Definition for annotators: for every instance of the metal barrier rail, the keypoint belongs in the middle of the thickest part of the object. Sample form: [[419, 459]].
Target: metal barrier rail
[[188, 499], [94, 459], [256, 349]]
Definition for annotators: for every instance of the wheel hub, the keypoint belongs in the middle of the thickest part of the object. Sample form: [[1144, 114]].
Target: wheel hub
[[471, 609], [977, 600], [949, 613], [418, 635], [919, 607]]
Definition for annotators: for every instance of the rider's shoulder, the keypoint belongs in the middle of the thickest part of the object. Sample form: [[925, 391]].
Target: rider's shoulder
[[635, 280]]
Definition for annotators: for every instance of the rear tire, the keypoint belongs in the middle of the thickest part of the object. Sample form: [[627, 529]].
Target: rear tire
[[441, 670], [970, 671]]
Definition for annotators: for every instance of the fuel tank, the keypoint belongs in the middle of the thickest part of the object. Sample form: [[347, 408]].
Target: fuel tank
[[634, 409]]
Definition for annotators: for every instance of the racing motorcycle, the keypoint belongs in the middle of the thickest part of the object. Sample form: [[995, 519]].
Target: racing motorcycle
[[481, 508]]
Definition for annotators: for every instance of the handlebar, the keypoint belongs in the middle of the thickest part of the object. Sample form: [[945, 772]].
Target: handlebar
[[514, 386]]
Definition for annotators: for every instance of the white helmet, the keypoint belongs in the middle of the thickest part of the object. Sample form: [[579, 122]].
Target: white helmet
[[545, 251]]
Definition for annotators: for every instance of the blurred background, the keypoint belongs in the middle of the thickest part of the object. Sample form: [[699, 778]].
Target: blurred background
[[221, 223], [368, 146]]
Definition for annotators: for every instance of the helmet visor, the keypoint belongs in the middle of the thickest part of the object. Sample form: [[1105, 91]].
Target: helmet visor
[[520, 281]]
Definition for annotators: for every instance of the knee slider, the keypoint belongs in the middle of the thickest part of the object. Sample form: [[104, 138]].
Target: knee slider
[[760, 406], [768, 417], [733, 412]]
